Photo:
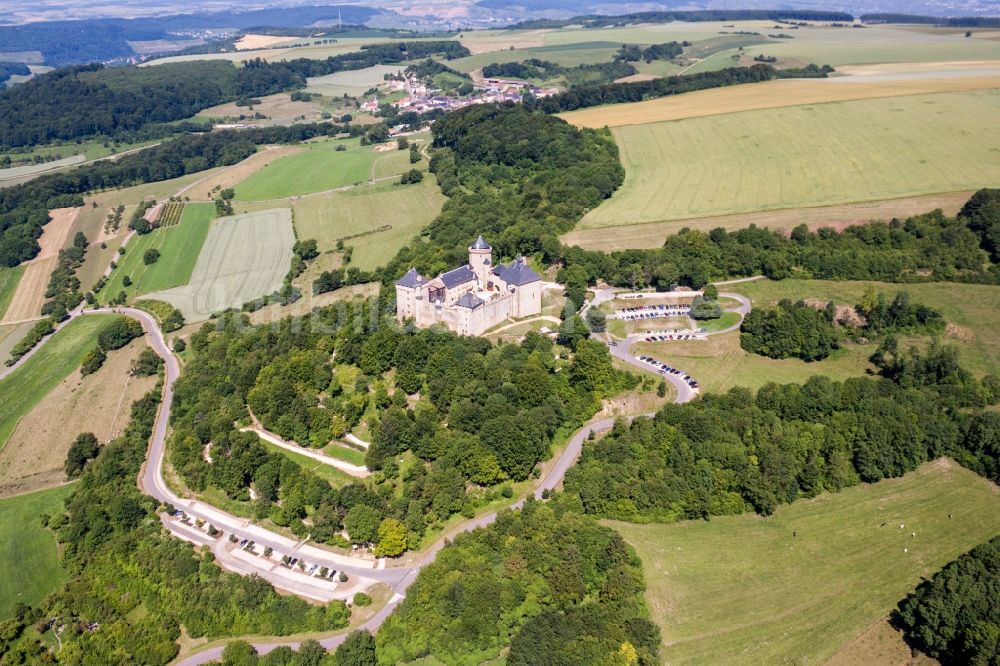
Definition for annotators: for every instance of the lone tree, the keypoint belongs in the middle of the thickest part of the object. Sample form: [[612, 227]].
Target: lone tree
[[83, 449], [150, 256]]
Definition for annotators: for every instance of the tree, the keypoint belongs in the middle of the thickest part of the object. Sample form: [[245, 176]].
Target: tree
[[414, 154], [362, 599], [118, 333], [310, 653], [391, 538], [147, 364], [239, 653], [83, 449], [411, 177], [704, 308], [150, 256], [93, 361], [710, 292], [596, 320], [362, 523], [358, 649]]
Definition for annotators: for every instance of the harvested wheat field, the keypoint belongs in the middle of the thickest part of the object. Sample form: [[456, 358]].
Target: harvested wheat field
[[251, 41], [230, 176], [99, 403], [774, 94], [27, 301]]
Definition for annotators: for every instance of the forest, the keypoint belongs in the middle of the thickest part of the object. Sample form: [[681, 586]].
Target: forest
[[555, 586], [789, 330], [464, 415], [923, 248], [737, 452], [132, 585], [127, 103], [954, 617]]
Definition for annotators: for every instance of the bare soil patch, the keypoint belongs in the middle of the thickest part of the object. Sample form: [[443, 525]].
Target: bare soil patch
[[642, 236], [879, 645], [99, 403], [238, 172], [633, 78]]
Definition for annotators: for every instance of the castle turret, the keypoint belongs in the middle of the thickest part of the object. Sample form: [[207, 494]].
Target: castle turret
[[481, 259]]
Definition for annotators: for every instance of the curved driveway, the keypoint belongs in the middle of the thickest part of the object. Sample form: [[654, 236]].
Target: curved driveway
[[364, 572]]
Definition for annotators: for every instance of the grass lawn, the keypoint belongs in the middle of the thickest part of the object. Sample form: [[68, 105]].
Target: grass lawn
[[179, 246], [725, 321], [865, 150], [718, 363], [407, 209], [336, 478], [345, 453], [321, 167], [974, 310], [744, 590], [9, 278], [25, 387], [26, 545]]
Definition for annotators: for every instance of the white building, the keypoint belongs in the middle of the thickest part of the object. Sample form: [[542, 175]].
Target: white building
[[473, 298]]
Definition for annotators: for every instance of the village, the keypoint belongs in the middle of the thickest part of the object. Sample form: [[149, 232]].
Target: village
[[421, 98]]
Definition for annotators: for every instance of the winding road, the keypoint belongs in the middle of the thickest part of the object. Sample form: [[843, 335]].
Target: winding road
[[362, 572]]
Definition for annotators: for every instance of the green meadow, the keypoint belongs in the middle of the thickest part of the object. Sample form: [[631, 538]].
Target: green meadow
[[9, 278]]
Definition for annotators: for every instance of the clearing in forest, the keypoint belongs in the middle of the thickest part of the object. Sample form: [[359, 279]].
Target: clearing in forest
[[100, 403], [798, 585], [244, 257], [804, 156], [318, 168], [229, 176], [30, 293]]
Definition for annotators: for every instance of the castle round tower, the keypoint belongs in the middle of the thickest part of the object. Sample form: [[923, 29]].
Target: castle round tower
[[481, 259]]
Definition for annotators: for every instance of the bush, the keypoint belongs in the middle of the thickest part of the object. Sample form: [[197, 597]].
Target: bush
[[93, 361], [362, 599], [411, 177], [83, 450]]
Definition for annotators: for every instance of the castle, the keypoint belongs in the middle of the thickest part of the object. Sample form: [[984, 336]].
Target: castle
[[473, 298]]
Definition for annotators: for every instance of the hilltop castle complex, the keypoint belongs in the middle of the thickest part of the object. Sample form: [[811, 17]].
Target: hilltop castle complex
[[473, 298]]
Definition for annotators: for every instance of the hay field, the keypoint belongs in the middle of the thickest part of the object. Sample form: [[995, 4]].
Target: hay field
[[179, 246], [9, 279], [408, 209], [775, 94], [318, 168], [99, 403], [231, 176], [243, 258], [653, 234], [10, 335], [14, 173], [24, 388], [804, 156], [23, 540], [744, 590], [353, 83], [29, 296], [251, 41], [279, 109]]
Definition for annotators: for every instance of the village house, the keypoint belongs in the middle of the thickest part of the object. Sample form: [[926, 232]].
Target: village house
[[470, 299]]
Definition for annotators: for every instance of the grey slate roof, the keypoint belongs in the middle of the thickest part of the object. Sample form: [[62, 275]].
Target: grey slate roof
[[458, 276], [411, 279], [516, 273], [480, 244], [469, 300]]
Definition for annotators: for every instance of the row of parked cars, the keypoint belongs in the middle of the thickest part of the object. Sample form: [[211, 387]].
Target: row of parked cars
[[660, 337], [652, 311], [665, 369]]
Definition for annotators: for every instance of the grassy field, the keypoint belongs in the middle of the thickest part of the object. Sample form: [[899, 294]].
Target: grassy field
[[408, 209], [10, 335], [178, 245], [972, 310], [865, 150], [319, 168], [24, 544], [345, 453], [743, 589], [9, 278], [336, 478], [718, 363], [25, 387], [353, 83], [243, 257]]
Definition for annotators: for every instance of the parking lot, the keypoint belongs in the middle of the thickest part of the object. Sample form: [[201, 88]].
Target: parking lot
[[664, 369]]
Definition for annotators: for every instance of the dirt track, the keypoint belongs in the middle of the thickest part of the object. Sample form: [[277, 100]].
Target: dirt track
[[30, 294]]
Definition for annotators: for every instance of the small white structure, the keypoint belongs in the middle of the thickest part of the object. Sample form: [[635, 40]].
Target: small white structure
[[472, 298]]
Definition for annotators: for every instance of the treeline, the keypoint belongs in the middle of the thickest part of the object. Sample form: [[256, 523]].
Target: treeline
[[554, 586], [591, 21], [588, 73], [954, 617], [616, 93], [131, 586], [731, 453], [473, 416], [24, 209], [519, 178], [9, 69], [124, 103], [952, 22], [922, 248]]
